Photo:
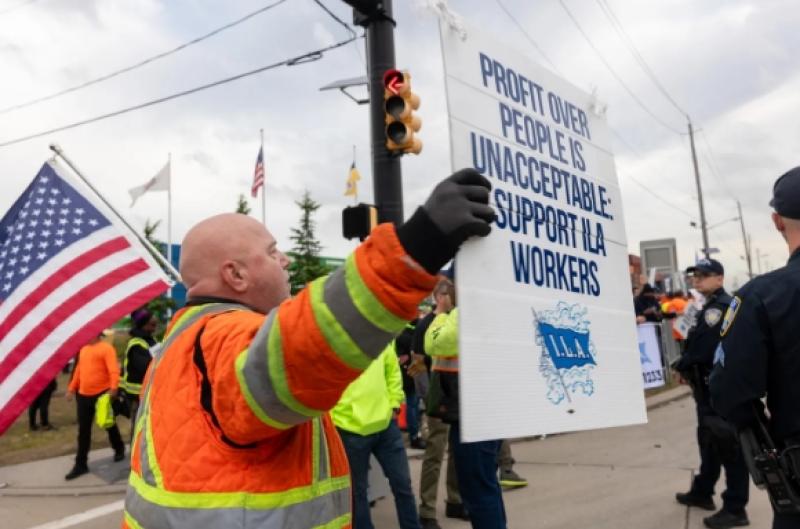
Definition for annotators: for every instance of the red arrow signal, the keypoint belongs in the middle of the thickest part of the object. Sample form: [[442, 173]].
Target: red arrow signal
[[393, 80]]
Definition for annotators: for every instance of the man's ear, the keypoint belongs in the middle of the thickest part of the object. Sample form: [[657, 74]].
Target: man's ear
[[234, 275], [777, 220]]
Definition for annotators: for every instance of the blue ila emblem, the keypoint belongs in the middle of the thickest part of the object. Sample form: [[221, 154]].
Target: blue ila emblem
[[568, 354]]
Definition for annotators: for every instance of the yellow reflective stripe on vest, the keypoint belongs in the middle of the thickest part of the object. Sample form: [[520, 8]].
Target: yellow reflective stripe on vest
[[367, 303], [131, 387], [342, 344]]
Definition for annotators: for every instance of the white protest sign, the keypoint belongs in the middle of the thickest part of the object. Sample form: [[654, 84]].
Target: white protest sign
[[650, 356], [547, 331], [684, 323]]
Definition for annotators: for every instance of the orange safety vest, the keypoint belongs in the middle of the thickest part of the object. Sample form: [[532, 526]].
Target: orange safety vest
[[233, 429]]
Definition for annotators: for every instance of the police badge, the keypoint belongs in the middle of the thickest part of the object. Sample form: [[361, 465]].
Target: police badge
[[712, 316]]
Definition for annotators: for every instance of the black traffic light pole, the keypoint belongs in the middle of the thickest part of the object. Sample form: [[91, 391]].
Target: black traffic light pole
[[376, 17]]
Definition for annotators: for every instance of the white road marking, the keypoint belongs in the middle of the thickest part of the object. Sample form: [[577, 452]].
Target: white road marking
[[75, 519]]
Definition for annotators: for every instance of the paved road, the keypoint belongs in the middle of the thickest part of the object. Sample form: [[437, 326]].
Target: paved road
[[618, 477]]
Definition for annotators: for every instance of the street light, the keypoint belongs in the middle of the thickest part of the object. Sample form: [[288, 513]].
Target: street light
[[693, 224]]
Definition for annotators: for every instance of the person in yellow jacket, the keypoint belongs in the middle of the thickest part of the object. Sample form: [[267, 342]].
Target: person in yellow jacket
[[366, 419], [233, 429], [476, 462]]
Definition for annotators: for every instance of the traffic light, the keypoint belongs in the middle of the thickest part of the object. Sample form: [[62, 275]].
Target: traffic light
[[358, 221], [399, 104]]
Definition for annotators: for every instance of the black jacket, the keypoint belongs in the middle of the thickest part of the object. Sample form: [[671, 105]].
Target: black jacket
[[760, 352]]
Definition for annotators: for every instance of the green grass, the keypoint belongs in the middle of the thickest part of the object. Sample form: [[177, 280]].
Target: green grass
[[18, 444]]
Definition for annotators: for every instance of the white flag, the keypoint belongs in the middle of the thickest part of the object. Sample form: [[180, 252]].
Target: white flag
[[160, 182]]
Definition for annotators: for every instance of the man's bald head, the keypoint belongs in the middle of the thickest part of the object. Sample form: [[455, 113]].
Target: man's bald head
[[233, 256]]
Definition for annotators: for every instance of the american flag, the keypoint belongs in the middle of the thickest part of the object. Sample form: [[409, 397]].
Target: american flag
[[258, 175], [67, 271]]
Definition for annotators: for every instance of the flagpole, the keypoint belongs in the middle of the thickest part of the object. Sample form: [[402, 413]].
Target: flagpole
[[263, 185], [153, 251], [355, 195], [169, 217]]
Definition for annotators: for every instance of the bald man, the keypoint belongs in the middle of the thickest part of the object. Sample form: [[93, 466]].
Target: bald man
[[233, 429], [760, 350]]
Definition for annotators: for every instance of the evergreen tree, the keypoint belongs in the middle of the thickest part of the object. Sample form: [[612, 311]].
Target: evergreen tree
[[243, 207], [306, 263]]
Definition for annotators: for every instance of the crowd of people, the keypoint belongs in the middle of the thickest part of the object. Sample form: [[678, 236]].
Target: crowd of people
[[232, 422]]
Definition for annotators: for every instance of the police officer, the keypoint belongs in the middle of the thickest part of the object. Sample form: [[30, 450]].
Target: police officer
[[715, 438], [760, 349]]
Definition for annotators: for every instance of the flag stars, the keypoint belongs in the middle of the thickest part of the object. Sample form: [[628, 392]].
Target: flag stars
[[24, 270], [61, 232], [59, 242], [18, 237], [93, 222], [47, 222], [33, 223], [26, 258], [15, 250], [43, 245], [39, 201], [41, 191], [54, 191], [79, 211], [28, 246], [44, 233], [62, 221], [12, 261], [64, 211], [41, 256], [52, 201], [50, 212], [9, 274], [23, 214], [76, 231], [36, 212], [30, 234], [77, 221], [44, 179], [66, 201], [6, 287]]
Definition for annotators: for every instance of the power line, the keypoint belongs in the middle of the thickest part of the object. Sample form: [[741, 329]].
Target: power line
[[620, 30], [347, 26], [144, 62], [710, 160], [614, 73], [640, 156], [300, 59], [527, 36]]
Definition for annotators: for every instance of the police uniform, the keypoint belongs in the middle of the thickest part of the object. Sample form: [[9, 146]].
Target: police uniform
[[760, 349], [715, 438]]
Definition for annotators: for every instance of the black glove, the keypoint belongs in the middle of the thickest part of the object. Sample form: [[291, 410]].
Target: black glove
[[457, 209]]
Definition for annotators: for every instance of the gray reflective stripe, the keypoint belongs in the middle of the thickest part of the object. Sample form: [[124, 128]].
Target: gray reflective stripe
[[447, 362], [304, 515], [370, 339], [144, 458], [324, 467], [258, 380]]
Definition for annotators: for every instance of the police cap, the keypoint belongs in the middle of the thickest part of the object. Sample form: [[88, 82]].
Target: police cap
[[786, 195], [708, 266]]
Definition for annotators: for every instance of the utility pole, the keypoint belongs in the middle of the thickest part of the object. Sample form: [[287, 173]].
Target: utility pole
[[746, 243], [703, 226], [376, 17]]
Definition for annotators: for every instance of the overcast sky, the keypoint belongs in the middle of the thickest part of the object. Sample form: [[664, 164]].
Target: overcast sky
[[730, 64]]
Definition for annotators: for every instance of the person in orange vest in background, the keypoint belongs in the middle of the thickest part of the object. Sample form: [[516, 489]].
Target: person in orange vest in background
[[96, 372], [233, 429], [674, 307]]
